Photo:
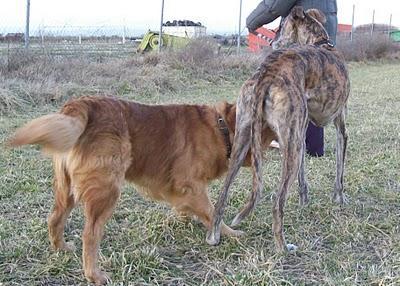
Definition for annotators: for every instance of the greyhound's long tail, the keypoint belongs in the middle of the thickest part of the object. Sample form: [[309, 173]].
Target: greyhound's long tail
[[256, 162], [56, 133]]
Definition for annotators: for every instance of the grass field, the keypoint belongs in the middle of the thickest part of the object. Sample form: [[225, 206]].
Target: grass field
[[146, 244]]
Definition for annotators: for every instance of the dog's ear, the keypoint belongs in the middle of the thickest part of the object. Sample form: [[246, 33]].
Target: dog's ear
[[297, 12], [317, 15], [230, 116], [228, 112], [221, 107]]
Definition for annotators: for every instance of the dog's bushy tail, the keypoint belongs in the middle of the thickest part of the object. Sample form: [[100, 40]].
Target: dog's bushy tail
[[56, 133]]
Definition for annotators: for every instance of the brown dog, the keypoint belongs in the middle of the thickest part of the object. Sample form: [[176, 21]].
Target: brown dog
[[291, 87], [170, 152]]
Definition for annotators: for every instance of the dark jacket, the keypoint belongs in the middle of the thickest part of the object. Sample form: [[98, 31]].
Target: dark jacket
[[269, 10]]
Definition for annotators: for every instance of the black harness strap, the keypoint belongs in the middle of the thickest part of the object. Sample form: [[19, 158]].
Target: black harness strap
[[324, 42]]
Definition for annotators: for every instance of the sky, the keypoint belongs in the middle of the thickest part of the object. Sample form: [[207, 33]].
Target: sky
[[219, 16]]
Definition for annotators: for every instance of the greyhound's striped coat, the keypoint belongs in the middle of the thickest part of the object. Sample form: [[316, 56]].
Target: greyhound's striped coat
[[291, 87]]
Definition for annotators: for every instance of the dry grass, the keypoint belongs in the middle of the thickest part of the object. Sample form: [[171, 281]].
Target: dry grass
[[145, 244], [36, 79], [367, 48]]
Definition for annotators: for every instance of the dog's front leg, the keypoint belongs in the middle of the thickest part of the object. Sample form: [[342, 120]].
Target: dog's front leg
[[194, 200]]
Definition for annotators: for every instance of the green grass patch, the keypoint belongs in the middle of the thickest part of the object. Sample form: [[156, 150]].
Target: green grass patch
[[145, 243]]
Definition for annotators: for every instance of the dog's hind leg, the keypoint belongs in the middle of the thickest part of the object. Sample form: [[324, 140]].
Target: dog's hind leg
[[99, 195], [256, 163], [290, 166], [241, 145], [303, 185], [341, 145], [291, 128], [64, 203]]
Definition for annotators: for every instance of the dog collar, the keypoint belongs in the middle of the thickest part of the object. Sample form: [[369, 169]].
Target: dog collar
[[324, 42], [225, 133]]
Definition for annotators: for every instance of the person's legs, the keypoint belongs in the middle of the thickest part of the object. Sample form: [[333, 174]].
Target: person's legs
[[315, 140], [331, 26]]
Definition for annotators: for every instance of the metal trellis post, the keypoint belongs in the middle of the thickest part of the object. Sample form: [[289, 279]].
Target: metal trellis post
[[161, 25], [28, 8], [352, 23], [240, 28]]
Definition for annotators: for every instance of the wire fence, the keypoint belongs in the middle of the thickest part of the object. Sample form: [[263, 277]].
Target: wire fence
[[70, 40], [115, 41], [123, 40]]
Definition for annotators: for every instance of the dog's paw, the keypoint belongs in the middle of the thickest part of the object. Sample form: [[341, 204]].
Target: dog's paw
[[69, 246], [303, 202], [237, 220], [291, 247], [98, 278], [212, 238], [340, 199], [303, 198], [274, 144], [237, 233], [64, 246]]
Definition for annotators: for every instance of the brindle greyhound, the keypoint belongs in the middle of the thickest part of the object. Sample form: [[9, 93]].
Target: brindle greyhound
[[308, 81]]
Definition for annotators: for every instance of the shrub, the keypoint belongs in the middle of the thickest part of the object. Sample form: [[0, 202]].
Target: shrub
[[364, 47], [198, 52]]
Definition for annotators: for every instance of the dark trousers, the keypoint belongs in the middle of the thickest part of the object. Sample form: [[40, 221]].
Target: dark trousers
[[315, 140]]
